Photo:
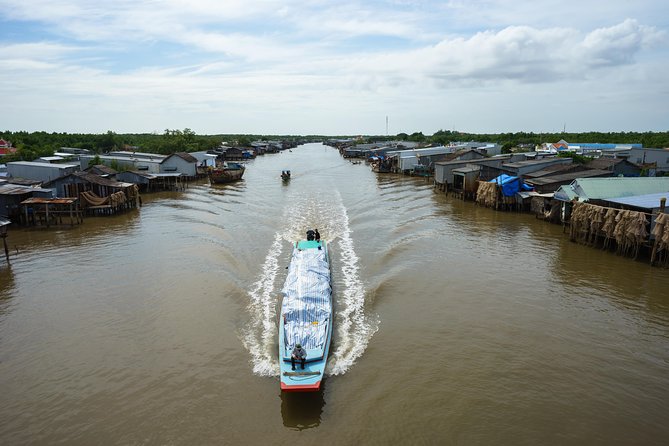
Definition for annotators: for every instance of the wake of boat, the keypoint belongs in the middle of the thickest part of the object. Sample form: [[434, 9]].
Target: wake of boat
[[259, 334], [353, 327]]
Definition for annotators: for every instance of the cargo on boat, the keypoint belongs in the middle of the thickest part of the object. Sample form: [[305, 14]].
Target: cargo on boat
[[306, 317]]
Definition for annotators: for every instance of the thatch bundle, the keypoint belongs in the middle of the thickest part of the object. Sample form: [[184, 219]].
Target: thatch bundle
[[628, 228], [91, 199], [544, 209], [115, 199], [661, 233], [586, 222], [630, 231], [486, 194]]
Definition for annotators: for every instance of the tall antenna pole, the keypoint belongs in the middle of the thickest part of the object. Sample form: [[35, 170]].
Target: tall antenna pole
[[386, 125]]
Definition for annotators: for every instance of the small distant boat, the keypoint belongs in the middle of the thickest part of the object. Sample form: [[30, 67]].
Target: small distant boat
[[226, 173], [285, 175], [306, 316]]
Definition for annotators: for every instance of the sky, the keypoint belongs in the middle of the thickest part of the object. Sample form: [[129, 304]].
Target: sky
[[346, 67]]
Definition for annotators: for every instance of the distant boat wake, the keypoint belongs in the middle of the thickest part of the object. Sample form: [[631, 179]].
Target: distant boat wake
[[354, 327]]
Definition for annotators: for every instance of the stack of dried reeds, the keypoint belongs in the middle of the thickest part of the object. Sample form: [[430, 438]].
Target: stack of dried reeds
[[586, 222], [627, 228], [661, 245], [486, 194], [630, 232]]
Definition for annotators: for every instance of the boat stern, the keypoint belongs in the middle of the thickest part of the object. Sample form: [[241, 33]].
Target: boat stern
[[307, 380]]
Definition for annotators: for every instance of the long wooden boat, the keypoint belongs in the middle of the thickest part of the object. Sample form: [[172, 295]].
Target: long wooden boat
[[226, 173], [306, 316]]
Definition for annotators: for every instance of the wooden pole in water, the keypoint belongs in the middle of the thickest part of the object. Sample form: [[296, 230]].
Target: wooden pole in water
[[4, 242], [3, 234], [663, 205]]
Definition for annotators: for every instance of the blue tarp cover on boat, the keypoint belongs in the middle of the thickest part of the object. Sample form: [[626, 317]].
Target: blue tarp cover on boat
[[306, 306], [510, 185]]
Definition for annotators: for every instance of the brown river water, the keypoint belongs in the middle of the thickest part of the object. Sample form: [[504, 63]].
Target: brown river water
[[455, 324]]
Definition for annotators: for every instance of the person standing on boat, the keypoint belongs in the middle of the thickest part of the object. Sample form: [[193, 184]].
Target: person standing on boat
[[298, 353], [317, 235], [310, 235]]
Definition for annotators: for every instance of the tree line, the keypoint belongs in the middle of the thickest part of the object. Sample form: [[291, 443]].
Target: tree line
[[32, 145], [647, 139]]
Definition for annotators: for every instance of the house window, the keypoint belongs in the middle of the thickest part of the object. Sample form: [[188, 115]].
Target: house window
[[142, 167], [170, 169]]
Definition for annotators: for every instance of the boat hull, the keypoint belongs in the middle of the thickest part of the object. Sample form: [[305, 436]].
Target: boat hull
[[222, 175], [310, 378]]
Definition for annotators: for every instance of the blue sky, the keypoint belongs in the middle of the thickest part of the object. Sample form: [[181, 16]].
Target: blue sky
[[334, 67]]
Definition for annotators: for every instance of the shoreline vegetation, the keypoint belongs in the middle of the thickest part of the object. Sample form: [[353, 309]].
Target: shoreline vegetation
[[32, 145]]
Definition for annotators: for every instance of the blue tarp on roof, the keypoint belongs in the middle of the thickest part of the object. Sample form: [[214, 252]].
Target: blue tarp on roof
[[510, 185]]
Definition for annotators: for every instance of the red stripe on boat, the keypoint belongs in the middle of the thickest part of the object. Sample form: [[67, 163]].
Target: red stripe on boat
[[301, 388]]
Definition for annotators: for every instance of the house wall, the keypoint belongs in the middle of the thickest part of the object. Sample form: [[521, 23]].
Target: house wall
[[123, 163], [129, 177], [40, 171], [533, 167], [178, 164], [659, 156], [443, 173], [627, 169]]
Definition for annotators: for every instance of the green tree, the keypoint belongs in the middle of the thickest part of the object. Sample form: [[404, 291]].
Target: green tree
[[107, 141]]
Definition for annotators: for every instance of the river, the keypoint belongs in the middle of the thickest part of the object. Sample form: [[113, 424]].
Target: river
[[455, 324]]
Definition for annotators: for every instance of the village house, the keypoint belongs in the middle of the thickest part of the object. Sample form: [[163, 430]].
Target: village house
[[656, 159], [42, 172], [6, 148], [617, 166], [11, 196], [181, 162], [97, 194]]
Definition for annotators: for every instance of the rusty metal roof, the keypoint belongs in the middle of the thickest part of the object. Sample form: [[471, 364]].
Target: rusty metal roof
[[17, 189], [37, 200], [542, 181], [102, 181]]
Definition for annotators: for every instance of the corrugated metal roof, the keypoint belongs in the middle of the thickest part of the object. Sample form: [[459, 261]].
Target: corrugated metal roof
[[648, 201], [102, 181], [467, 169], [538, 162], [553, 170], [541, 181], [102, 168], [37, 200], [604, 188], [565, 193], [186, 157], [531, 193], [591, 188], [140, 173], [34, 164], [604, 163], [16, 189]]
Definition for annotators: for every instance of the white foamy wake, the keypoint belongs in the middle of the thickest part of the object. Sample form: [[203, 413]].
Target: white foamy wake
[[353, 328], [259, 337]]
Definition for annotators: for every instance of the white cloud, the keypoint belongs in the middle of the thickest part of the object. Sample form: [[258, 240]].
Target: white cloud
[[216, 61]]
